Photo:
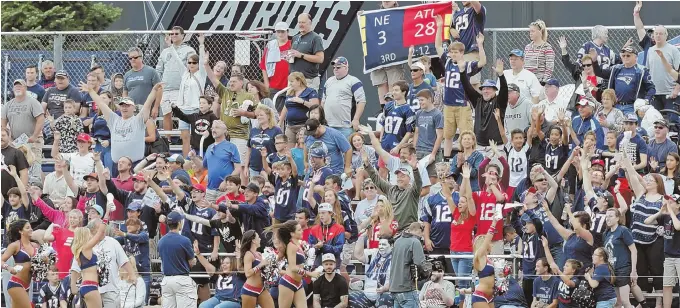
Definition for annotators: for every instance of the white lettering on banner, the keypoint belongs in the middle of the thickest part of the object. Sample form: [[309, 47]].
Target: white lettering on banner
[[425, 14], [220, 16], [382, 20]]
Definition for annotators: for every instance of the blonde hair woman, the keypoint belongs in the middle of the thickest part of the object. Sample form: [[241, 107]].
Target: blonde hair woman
[[299, 99], [539, 57], [382, 222], [469, 154], [131, 295], [610, 118], [262, 137], [82, 245]]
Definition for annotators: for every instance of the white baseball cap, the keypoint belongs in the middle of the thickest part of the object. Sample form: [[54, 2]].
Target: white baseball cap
[[281, 26], [327, 257], [325, 207]]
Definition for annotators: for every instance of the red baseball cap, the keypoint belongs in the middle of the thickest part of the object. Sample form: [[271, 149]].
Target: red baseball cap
[[597, 162], [138, 177], [199, 187], [91, 175], [84, 137]]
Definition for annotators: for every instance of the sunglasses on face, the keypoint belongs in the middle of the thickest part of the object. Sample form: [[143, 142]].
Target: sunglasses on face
[[587, 65], [659, 127], [540, 180], [626, 56], [175, 34], [134, 58], [369, 188], [415, 70], [192, 62]]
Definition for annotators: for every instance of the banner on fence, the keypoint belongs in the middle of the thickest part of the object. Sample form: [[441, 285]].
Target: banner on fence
[[387, 34], [330, 19]]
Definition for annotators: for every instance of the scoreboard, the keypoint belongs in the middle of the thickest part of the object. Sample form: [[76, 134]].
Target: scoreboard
[[387, 34]]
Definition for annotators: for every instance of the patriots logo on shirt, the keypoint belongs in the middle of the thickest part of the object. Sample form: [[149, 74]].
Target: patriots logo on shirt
[[626, 79]]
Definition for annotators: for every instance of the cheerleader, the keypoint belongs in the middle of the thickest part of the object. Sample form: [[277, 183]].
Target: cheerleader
[[82, 245], [483, 295], [23, 251], [290, 285], [253, 292]]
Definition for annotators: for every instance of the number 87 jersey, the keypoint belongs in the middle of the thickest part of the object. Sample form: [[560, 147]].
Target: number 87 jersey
[[397, 121]]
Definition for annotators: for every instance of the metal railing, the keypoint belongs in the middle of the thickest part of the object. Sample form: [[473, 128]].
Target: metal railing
[[77, 51]]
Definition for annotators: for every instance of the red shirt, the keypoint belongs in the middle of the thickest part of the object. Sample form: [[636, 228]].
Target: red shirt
[[375, 239], [280, 79], [128, 185], [461, 234], [305, 234], [63, 238], [486, 207], [231, 197]]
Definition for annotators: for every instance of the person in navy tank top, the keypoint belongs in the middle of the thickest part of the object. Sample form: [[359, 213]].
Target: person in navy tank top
[[253, 291], [82, 247], [23, 251]]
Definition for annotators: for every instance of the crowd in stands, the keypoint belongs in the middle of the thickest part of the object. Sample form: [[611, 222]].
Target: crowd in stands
[[313, 207]]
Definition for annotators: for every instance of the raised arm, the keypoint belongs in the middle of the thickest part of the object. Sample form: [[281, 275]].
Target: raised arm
[[465, 190], [20, 186], [157, 91], [438, 45], [564, 232], [106, 111], [632, 176], [471, 93], [637, 20]]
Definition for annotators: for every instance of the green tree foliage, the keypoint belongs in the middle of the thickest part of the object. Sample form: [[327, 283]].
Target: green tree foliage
[[57, 16]]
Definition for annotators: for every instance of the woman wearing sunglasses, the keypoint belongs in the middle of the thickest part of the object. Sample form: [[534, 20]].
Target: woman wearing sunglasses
[[578, 71]]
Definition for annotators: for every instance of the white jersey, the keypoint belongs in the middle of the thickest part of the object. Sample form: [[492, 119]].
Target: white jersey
[[518, 163]]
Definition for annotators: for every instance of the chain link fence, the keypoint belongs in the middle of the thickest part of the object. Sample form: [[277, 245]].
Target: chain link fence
[[77, 52], [499, 42]]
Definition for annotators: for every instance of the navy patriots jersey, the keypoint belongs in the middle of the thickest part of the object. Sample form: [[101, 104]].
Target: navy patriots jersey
[[532, 251], [437, 212], [555, 157], [203, 234], [324, 172], [49, 297], [286, 195], [454, 94], [469, 23], [398, 120]]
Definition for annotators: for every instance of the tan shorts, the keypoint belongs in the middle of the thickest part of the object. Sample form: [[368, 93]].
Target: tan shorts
[[671, 271], [473, 56], [456, 117], [292, 131], [314, 83], [169, 97], [387, 75]]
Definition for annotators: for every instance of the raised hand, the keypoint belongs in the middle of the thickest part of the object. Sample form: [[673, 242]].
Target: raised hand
[[96, 156], [466, 170], [201, 38], [454, 6], [480, 39], [629, 42], [84, 87], [438, 20], [159, 86], [413, 161], [637, 8], [653, 163], [561, 115], [411, 50], [544, 240], [206, 57], [498, 67], [497, 114], [593, 54], [563, 42]]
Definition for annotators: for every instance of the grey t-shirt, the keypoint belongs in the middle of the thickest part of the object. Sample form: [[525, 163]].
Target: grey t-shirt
[[127, 137], [339, 97], [518, 117], [407, 251], [20, 115], [663, 82], [55, 99], [427, 123], [138, 84], [308, 44]]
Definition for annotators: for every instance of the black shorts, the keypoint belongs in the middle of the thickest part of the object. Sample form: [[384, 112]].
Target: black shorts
[[198, 269], [622, 276]]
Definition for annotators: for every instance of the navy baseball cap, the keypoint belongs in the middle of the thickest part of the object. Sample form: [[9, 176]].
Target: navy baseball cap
[[517, 52], [553, 82], [174, 217], [489, 83], [318, 149], [61, 73], [340, 61], [631, 118], [135, 206]]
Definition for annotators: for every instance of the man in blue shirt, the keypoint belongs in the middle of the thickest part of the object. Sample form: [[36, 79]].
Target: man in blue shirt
[[221, 159], [660, 145], [339, 150], [585, 122], [419, 84], [629, 80], [178, 257]]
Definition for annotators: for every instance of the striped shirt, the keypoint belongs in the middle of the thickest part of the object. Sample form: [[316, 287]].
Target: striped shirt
[[644, 233], [540, 60]]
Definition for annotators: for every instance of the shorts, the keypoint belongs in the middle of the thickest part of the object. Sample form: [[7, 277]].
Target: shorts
[[671, 271], [473, 56], [314, 83], [456, 118], [288, 282], [88, 286], [169, 97], [481, 297], [622, 276], [251, 290], [387, 75], [184, 125], [15, 282], [242, 146], [431, 170], [347, 252], [292, 131]]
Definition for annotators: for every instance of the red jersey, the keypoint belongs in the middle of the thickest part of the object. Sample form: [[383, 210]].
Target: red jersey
[[305, 234], [280, 79], [63, 238], [486, 207], [375, 239], [231, 197], [461, 233]]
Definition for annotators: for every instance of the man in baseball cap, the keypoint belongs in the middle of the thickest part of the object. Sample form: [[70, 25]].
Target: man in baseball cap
[[328, 236], [585, 122], [337, 146], [330, 290], [635, 145], [94, 211]]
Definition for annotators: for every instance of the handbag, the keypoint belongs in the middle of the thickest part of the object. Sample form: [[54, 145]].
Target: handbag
[[583, 295]]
